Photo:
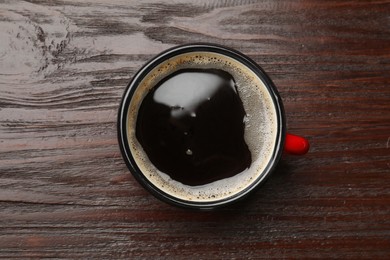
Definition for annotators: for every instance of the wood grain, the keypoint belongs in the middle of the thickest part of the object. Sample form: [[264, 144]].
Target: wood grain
[[66, 192]]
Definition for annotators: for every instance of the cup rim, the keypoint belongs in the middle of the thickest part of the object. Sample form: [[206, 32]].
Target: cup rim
[[122, 123]]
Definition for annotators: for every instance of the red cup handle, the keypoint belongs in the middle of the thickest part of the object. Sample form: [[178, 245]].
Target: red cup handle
[[296, 145]]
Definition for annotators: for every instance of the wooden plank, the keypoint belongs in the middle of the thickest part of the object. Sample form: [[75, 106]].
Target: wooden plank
[[65, 191]]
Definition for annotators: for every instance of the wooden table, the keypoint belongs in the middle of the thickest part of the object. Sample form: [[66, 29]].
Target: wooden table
[[66, 192]]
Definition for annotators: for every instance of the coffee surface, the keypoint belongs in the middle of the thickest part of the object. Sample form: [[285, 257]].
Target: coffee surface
[[257, 120], [191, 126]]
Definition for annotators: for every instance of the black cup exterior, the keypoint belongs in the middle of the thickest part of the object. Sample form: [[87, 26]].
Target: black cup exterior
[[122, 123]]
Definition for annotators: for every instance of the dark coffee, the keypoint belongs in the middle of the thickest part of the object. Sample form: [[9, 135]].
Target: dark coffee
[[191, 126], [193, 148]]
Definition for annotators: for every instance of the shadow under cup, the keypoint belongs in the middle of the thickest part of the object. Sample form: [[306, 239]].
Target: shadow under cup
[[264, 125]]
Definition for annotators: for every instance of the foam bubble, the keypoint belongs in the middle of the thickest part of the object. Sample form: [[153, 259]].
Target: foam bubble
[[260, 126]]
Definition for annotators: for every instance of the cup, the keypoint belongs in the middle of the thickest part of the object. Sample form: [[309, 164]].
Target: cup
[[202, 126]]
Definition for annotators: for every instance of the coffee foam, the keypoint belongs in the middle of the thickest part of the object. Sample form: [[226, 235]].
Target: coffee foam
[[260, 126]]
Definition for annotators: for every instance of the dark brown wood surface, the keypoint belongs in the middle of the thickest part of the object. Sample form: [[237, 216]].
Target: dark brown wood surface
[[65, 191]]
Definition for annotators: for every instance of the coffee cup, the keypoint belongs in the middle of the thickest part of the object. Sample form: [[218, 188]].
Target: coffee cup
[[202, 126]]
